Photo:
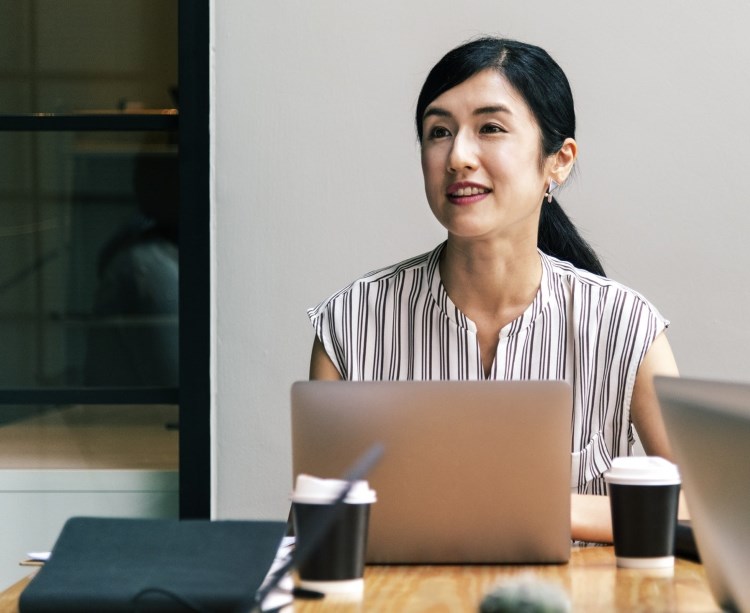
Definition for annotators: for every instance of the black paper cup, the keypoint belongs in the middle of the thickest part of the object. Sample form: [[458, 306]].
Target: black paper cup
[[644, 496], [337, 563]]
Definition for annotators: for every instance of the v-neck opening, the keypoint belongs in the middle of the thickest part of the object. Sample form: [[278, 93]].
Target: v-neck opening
[[448, 308]]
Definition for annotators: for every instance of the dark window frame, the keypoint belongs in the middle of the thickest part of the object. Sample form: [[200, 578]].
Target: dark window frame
[[195, 261], [193, 394]]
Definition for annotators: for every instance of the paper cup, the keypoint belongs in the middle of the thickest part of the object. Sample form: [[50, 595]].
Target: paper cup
[[337, 563], [644, 496]]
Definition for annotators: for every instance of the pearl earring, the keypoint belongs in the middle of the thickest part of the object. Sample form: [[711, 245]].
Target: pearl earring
[[552, 187]]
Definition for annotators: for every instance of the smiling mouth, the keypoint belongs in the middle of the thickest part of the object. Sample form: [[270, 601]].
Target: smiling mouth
[[468, 191]]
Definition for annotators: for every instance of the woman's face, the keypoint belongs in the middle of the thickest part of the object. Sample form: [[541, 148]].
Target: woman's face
[[481, 154]]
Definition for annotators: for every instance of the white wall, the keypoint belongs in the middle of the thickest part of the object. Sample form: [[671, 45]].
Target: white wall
[[317, 179]]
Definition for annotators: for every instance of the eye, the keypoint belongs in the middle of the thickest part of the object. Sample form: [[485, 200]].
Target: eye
[[438, 132], [492, 128]]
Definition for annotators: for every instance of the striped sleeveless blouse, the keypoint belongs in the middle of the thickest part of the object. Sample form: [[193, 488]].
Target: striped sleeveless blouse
[[399, 323]]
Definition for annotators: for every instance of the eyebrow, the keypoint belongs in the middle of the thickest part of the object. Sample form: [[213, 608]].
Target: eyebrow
[[491, 110], [482, 110]]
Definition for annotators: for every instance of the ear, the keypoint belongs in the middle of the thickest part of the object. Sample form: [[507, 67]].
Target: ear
[[561, 163]]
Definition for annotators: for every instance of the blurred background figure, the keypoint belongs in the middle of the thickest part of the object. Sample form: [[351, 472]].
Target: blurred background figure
[[134, 337]]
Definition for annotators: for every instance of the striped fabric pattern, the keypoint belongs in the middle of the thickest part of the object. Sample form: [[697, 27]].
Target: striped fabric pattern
[[399, 323]]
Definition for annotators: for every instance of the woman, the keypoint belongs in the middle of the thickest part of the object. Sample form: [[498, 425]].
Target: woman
[[514, 292]]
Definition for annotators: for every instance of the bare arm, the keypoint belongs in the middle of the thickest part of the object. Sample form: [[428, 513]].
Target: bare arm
[[590, 515], [644, 407], [590, 518], [321, 366]]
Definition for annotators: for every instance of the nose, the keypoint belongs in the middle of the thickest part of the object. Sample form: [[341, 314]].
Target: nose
[[463, 153]]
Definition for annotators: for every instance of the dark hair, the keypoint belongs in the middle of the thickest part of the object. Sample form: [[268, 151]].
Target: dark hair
[[545, 89]]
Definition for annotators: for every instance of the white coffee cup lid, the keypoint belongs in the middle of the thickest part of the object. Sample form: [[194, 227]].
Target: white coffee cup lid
[[314, 490], [642, 470]]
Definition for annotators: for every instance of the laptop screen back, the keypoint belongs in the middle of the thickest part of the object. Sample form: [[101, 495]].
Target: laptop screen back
[[472, 471], [708, 424]]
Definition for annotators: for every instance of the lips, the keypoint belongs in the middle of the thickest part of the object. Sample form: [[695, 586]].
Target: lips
[[466, 192]]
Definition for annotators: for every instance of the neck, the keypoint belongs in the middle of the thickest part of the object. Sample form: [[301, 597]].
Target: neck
[[490, 277]]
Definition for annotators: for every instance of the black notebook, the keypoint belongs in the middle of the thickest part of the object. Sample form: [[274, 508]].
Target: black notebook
[[106, 564], [111, 565], [684, 541]]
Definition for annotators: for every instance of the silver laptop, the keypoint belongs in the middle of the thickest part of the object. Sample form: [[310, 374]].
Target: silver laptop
[[472, 471], [708, 424]]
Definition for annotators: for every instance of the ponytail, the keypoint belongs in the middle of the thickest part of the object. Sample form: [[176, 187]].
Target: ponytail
[[559, 238]]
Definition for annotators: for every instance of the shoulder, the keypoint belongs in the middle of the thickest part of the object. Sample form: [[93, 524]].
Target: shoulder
[[418, 266], [567, 273], [598, 290], [414, 265]]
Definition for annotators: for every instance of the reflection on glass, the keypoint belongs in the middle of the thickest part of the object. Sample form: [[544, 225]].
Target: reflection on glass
[[88, 285], [132, 339], [88, 280], [89, 289], [84, 55], [106, 437]]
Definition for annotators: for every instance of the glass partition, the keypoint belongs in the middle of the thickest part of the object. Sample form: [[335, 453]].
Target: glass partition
[[89, 289], [87, 55], [89, 281]]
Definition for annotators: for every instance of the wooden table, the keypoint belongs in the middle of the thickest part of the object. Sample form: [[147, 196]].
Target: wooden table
[[591, 580]]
